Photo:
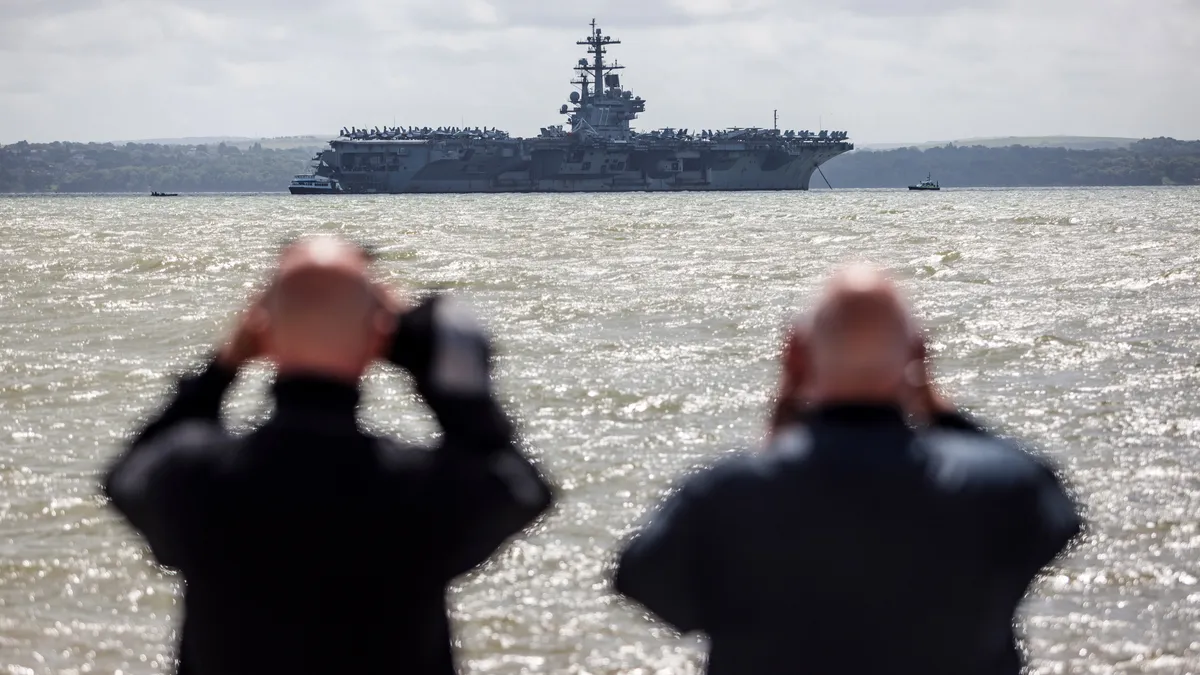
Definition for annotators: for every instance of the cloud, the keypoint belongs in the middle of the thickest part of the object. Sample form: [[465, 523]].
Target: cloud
[[457, 14], [886, 70]]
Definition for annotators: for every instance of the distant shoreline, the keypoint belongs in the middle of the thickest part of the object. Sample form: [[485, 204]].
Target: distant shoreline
[[655, 192], [133, 168], [319, 140]]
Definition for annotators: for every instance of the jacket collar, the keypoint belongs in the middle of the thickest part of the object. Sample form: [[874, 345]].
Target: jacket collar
[[315, 393], [859, 414]]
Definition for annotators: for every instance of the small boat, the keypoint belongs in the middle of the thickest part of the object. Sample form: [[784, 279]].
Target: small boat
[[926, 184], [164, 194], [312, 184]]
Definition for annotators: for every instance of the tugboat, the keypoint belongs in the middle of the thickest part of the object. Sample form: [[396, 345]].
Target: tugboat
[[926, 184], [310, 184]]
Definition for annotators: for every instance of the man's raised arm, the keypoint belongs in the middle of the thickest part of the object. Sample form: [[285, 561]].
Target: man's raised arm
[[664, 566], [489, 489], [149, 482]]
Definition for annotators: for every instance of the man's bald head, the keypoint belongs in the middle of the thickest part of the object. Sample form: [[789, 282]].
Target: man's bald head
[[323, 308], [861, 336], [322, 254]]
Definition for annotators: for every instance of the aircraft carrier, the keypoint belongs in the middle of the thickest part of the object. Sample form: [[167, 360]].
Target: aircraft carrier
[[599, 153]]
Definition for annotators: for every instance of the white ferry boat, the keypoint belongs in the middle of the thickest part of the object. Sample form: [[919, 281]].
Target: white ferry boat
[[310, 184]]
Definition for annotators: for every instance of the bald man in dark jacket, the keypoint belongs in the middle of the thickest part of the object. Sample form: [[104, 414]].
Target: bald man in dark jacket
[[855, 543], [310, 545]]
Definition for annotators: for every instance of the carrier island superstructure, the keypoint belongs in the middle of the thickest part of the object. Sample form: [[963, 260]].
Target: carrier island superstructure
[[599, 152]]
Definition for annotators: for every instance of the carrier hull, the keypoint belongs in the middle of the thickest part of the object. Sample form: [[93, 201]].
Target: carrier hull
[[398, 167]]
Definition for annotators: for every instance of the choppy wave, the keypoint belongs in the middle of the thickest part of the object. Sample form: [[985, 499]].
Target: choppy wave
[[638, 338]]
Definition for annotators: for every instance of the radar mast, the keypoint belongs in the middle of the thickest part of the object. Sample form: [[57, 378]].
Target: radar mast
[[595, 42], [602, 107]]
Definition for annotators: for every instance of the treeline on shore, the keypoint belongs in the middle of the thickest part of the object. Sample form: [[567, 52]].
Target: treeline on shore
[[142, 167], [1156, 161]]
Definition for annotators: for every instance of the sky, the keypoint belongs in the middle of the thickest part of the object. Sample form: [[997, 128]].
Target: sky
[[884, 70]]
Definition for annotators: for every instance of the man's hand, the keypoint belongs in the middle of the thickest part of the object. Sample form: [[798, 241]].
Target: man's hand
[[794, 381], [248, 340], [924, 399], [391, 307]]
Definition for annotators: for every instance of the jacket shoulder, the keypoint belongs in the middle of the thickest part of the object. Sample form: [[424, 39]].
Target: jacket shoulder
[[958, 458], [397, 457], [193, 444], [740, 471]]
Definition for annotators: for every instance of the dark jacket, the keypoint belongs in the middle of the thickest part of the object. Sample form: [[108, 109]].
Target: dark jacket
[[855, 545], [312, 546]]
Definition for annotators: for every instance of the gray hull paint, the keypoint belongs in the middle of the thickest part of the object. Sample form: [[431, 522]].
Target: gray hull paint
[[420, 170]]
